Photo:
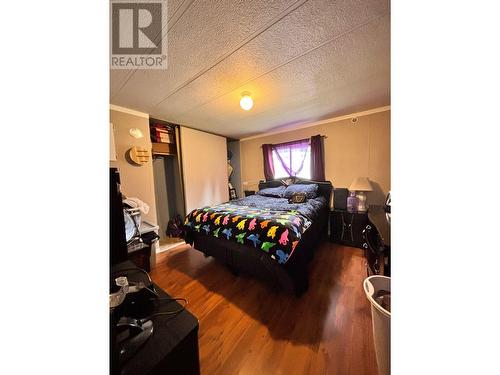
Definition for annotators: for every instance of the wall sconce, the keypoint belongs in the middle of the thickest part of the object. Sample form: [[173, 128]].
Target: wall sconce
[[136, 133]]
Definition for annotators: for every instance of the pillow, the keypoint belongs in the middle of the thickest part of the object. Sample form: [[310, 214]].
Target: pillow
[[311, 190], [272, 192]]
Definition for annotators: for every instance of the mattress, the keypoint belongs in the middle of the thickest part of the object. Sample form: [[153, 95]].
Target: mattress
[[270, 224]]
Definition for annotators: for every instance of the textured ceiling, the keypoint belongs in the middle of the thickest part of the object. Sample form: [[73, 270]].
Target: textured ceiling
[[300, 60]]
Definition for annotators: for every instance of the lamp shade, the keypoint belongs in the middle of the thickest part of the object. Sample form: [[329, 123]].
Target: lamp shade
[[361, 184]]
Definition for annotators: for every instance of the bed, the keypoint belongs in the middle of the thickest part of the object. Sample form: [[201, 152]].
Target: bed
[[264, 235]]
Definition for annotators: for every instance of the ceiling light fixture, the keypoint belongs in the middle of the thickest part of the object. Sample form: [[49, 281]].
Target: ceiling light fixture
[[246, 101]]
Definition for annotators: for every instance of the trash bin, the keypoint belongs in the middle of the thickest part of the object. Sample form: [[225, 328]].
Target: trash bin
[[378, 292]]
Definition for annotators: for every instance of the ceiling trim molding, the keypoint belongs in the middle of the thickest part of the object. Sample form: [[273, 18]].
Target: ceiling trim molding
[[128, 110], [205, 131], [321, 122]]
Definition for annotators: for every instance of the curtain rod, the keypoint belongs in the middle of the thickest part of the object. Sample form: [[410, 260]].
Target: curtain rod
[[323, 136]]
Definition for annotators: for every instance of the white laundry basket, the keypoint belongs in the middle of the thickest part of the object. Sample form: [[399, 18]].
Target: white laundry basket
[[381, 320]]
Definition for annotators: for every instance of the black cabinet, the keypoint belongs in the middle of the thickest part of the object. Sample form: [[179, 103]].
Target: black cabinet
[[173, 346], [377, 242], [346, 228]]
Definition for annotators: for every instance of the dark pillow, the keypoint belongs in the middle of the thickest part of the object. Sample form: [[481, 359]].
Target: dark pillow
[[311, 190], [272, 192]]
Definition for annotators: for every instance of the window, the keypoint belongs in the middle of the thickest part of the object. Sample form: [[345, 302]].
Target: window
[[303, 158], [292, 159]]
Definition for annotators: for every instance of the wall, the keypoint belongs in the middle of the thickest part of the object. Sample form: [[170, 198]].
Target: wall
[[204, 161], [234, 147], [136, 181], [351, 150]]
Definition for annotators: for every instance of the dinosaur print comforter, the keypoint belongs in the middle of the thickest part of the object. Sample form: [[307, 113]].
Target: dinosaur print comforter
[[275, 230]]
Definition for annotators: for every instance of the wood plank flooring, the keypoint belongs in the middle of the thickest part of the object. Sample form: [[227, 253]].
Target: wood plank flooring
[[248, 328]]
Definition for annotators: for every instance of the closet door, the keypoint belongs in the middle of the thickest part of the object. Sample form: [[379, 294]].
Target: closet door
[[204, 168]]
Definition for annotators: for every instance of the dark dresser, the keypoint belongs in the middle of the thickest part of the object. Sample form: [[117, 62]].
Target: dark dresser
[[173, 346], [377, 242]]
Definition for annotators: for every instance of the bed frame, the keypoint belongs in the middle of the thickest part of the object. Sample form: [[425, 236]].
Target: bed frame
[[292, 276]]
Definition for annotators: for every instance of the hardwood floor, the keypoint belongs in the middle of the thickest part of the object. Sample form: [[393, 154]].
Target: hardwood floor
[[248, 328]]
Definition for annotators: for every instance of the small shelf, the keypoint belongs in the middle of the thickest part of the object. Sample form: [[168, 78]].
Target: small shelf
[[164, 148], [168, 144]]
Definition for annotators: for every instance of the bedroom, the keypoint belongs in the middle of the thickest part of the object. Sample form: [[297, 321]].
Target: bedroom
[[246, 115], [206, 186]]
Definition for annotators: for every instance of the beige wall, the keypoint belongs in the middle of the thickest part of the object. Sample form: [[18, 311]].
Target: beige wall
[[363, 149], [204, 164], [136, 181]]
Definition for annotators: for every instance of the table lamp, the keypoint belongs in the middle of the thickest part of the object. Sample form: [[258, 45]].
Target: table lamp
[[360, 185]]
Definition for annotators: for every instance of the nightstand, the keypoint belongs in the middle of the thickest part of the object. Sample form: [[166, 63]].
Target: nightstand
[[346, 228]]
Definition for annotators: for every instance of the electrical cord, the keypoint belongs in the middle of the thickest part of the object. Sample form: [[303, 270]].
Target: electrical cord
[[134, 269], [143, 271], [183, 307], [157, 298]]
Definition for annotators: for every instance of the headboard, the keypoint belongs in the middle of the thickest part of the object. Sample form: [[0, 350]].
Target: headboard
[[324, 187]]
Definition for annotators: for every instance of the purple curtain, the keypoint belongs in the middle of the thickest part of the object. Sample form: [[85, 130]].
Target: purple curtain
[[292, 155], [268, 162], [317, 158]]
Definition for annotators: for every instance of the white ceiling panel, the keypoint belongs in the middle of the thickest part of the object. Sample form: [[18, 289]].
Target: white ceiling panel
[[207, 31], [254, 60], [301, 61], [349, 74]]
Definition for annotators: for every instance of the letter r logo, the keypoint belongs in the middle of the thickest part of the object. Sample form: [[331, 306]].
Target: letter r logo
[[136, 28]]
